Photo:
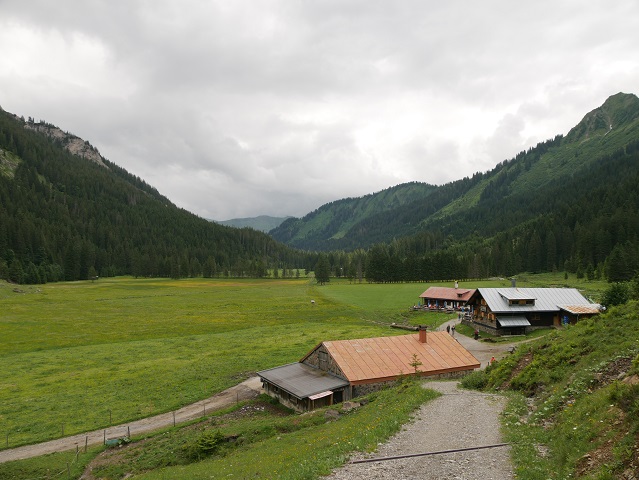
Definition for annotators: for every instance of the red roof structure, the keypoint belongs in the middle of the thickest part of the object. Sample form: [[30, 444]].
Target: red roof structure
[[448, 294], [374, 360]]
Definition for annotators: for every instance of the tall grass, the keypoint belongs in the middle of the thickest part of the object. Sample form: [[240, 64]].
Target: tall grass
[[568, 400]]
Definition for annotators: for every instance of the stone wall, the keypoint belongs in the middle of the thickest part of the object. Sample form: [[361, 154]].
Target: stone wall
[[320, 358]]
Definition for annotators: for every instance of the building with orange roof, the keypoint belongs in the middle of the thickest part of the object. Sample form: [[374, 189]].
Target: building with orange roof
[[446, 297], [336, 371]]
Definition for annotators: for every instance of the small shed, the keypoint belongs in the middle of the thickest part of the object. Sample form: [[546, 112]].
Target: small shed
[[302, 387]]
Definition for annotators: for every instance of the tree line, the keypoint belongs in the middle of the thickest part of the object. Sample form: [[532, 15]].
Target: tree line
[[65, 218]]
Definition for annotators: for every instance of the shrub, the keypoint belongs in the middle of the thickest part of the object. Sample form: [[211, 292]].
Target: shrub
[[207, 444], [476, 380]]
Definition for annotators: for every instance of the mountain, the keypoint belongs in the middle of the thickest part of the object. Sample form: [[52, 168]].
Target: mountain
[[571, 203], [538, 182], [263, 223], [332, 225], [67, 213]]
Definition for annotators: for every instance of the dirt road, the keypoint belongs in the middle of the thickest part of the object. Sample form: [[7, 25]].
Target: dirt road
[[245, 390]]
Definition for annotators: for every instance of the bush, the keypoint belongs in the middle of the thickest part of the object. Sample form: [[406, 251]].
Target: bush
[[207, 444], [476, 380], [617, 294]]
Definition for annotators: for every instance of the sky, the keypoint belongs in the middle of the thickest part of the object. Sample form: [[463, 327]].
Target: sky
[[237, 108]]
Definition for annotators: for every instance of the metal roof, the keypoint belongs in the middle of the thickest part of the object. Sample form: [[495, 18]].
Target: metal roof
[[516, 294], [371, 360], [516, 321], [302, 380], [545, 299]]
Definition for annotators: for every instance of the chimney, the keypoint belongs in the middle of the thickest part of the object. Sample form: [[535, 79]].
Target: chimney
[[513, 282], [422, 333], [456, 284]]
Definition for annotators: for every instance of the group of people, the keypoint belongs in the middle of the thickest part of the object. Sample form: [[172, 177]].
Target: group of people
[[450, 329]]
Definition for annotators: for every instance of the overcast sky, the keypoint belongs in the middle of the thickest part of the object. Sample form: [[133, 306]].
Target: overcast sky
[[241, 108]]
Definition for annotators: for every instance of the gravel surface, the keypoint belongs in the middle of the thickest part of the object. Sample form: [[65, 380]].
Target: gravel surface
[[458, 419]]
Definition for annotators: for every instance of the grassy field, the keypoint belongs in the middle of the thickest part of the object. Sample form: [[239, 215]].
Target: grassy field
[[75, 355]]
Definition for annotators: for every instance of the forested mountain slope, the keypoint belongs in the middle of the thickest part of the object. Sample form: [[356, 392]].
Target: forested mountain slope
[[569, 202], [326, 227], [459, 208], [67, 213]]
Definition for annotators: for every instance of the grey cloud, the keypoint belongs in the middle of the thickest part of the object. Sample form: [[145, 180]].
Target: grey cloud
[[275, 107]]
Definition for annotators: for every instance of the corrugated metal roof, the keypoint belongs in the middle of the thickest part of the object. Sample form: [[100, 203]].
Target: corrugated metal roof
[[302, 380], [546, 299], [370, 360], [516, 321], [448, 293]]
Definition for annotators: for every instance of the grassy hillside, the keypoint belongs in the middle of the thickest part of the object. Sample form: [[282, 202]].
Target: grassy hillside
[[574, 412]]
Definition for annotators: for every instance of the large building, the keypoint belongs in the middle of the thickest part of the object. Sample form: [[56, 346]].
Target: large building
[[518, 310], [336, 371]]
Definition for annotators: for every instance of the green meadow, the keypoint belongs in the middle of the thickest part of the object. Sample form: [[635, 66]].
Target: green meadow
[[80, 356], [76, 356]]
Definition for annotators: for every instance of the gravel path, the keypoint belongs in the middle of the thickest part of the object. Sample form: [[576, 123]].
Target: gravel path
[[458, 419]]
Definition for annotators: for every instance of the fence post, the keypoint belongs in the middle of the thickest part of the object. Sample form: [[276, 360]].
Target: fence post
[[105, 437], [86, 443], [7, 440]]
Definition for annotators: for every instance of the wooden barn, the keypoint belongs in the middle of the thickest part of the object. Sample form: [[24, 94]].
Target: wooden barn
[[511, 311], [337, 371]]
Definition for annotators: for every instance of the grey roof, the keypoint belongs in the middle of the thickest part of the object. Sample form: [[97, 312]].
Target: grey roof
[[301, 380], [514, 321], [546, 299]]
